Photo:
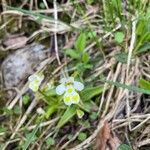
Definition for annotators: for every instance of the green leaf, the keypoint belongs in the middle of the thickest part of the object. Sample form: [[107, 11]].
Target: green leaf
[[7, 111], [121, 57], [48, 98], [51, 110], [50, 93], [89, 93], [3, 129], [91, 34], [17, 110], [81, 67], [84, 123], [81, 43], [50, 141], [124, 147], [129, 87], [85, 57], [30, 137], [119, 37], [144, 84], [144, 48], [90, 2], [117, 5], [25, 99], [87, 106], [140, 26], [93, 116], [82, 136], [68, 114], [87, 66], [72, 53]]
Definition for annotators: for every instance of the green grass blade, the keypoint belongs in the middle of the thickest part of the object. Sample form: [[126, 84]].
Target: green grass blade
[[89, 93], [68, 114], [144, 84], [129, 87], [29, 140]]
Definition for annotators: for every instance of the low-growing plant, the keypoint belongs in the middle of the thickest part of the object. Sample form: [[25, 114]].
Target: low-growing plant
[[70, 97], [79, 55]]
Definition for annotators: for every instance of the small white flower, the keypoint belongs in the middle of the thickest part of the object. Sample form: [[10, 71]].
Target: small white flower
[[75, 98], [60, 89], [33, 86], [40, 111], [71, 98], [78, 86], [67, 99], [69, 87], [35, 81], [48, 86], [65, 82], [37, 76]]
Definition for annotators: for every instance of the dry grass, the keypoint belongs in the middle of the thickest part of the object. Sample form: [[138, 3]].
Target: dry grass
[[127, 112]]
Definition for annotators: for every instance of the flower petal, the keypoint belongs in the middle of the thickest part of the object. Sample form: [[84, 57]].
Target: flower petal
[[67, 99], [33, 86], [70, 89], [60, 89], [63, 80], [75, 98], [78, 86], [70, 79], [36, 76], [32, 77]]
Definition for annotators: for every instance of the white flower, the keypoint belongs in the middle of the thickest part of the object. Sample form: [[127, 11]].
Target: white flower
[[48, 86], [69, 87], [40, 111], [75, 98], [60, 89], [67, 99], [65, 82], [35, 81], [71, 98]]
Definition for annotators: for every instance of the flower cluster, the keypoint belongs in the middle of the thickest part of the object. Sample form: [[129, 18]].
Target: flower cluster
[[35, 81], [68, 87]]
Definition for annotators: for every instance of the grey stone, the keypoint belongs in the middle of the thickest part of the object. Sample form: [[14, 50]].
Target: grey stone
[[20, 64]]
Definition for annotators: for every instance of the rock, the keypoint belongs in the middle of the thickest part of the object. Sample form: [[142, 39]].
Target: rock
[[20, 64]]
